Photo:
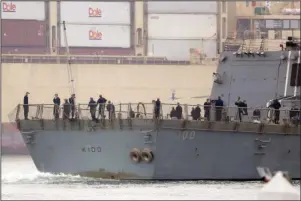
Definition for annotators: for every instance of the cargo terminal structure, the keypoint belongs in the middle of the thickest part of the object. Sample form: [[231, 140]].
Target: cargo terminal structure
[[114, 28]]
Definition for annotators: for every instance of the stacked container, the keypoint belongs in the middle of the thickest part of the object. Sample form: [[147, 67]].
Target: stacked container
[[24, 27], [96, 27], [176, 27]]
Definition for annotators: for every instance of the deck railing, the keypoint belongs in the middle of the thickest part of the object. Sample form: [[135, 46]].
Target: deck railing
[[147, 111]]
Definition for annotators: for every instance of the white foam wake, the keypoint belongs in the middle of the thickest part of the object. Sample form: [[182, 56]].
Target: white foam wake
[[38, 177]]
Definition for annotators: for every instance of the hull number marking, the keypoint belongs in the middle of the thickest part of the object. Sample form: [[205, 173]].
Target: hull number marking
[[91, 149], [188, 135]]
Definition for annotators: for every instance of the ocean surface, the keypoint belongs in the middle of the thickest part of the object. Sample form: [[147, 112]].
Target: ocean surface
[[21, 180]]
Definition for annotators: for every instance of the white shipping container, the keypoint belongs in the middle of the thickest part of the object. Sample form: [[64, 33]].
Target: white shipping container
[[180, 49], [164, 7], [27, 10], [181, 26], [95, 12], [97, 36]]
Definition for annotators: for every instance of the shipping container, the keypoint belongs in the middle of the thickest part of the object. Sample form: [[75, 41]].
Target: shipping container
[[23, 33], [97, 36], [181, 26], [175, 7], [95, 12], [180, 49], [25, 50], [99, 51], [27, 10]]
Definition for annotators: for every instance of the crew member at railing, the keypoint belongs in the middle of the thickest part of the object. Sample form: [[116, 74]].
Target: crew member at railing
[[72, 104], [132, 113], [101, 109], [219, 104], [207, 108], [240, 106], [157, 108], [276, 106], [197, 112], [66, 110], [192, 114], [25, 105], [173, 113], [111, 110], [92, 105], [56, 108], [179, 111]]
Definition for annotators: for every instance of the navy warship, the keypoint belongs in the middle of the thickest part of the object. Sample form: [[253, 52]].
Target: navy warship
[[145, 147]]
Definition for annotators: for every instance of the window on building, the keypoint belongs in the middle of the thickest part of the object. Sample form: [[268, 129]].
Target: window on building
[[296, 75], [286, 24], [53, 39], [294, 24], [139, 36]]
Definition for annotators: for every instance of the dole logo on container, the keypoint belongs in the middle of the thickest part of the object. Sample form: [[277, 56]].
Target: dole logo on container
[[94, 12], [9, 7], [95, 34]]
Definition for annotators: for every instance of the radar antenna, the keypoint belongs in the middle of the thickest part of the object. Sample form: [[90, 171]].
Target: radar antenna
[[69, 69]]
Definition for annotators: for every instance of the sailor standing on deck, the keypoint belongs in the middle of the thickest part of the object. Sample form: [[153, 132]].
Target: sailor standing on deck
[[276, 106], [207, 108], [92, 105], [26, 106], [240, 106], [72, 104], [157, 108], [66, 110], [111, 110], [179, 111], [219, 103], [56, 108], [101, 110]]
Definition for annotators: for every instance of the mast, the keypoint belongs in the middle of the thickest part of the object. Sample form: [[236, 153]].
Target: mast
[[69, 69]]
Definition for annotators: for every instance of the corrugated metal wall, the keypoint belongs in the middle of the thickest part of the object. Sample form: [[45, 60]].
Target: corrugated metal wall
[[175, 27], [96, 24], [165, 7], [25, 27]]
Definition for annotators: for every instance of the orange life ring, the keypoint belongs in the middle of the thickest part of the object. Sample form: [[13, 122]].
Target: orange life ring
[[135, 155], [147, 155]]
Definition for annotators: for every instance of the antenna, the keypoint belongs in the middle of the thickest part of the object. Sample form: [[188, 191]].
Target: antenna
[[69, 69]]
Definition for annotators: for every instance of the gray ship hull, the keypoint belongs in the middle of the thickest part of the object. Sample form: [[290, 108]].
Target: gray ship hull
[[189, 154]]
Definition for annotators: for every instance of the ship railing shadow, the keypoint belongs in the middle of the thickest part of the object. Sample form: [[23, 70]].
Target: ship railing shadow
[[148, 111], [90, 59]]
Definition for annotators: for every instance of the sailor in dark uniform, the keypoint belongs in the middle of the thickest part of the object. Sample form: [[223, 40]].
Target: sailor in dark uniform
[[92, 105], [111, 110], [192, 114], [197, 112], [101, 110], [276, 106], [56, 108], [240, 106], [219, 103], [26, 106], [72, 104], [66, 110], [173, 113], [207, 108], [157, 108], [179, 111]]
